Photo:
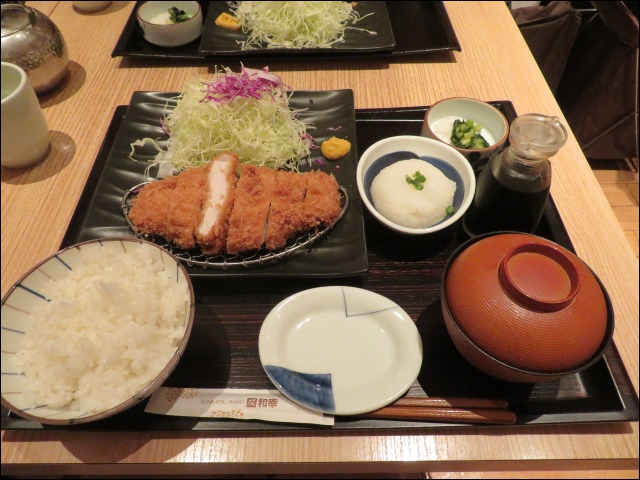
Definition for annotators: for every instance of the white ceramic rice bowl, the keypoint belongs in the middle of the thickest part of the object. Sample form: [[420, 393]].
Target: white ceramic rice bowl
[[21, 299]]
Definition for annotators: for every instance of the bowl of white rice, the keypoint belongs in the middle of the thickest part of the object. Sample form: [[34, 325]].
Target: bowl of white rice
[[93, 330], [415, 185]]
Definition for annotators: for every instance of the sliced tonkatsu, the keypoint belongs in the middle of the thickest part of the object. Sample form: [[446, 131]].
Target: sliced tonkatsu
[[285, 214], [185, 210], [215, 209], [321, 204], [251, 209], [220, 192], [148, 210]]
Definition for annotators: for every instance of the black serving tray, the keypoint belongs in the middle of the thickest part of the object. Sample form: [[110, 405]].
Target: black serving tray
[[341, 252], [223, 350], [432, 32]]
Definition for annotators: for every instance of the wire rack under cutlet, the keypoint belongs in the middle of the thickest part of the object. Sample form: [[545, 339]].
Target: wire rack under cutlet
[[256, 258]]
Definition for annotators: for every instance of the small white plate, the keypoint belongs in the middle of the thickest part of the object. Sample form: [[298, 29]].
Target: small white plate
[[340, 350]]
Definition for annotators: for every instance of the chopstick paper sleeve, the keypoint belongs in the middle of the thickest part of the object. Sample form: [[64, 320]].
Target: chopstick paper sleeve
[[238, 404]]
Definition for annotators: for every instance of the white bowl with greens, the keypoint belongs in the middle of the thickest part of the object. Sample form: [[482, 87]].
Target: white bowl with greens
[[170, 24], [474, 128]]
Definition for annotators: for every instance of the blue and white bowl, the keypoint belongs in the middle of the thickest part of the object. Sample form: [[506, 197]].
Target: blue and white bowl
[[394, 149], [49, 284]]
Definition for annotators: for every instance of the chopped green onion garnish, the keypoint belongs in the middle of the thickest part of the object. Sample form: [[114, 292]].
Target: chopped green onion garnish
[[450, 210], [417, 181], [177, 15]]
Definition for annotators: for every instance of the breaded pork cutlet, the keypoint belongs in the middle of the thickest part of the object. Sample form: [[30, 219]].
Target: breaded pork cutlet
[[211, 234], [285, 215], [185, 210], [211, 208], [251, 209], [321, 204], [149, 208]]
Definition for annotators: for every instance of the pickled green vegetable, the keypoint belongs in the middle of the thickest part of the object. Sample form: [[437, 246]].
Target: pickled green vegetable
[[176, 15], [466, 134]]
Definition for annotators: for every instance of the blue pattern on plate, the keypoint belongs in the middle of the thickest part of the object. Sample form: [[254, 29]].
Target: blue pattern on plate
[[348, 312], [311, 390]]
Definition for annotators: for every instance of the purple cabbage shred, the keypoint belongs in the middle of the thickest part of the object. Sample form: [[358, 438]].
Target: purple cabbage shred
[[249, 83]]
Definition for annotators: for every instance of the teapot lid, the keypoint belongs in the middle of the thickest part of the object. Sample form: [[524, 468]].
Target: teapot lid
[[15, 17]]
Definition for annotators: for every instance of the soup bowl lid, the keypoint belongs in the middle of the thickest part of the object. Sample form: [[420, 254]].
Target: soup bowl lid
[[527, 302]]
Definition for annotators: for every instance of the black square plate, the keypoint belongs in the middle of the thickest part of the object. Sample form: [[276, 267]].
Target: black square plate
[[220, 41], [342, 252]]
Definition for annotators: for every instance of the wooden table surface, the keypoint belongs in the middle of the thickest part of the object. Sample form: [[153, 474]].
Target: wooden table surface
[[494, 64]]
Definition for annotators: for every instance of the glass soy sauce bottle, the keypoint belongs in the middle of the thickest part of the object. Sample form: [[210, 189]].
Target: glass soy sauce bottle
[[512, 189]]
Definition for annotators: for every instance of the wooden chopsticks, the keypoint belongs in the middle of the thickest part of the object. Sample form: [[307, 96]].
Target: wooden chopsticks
[[464, 410]]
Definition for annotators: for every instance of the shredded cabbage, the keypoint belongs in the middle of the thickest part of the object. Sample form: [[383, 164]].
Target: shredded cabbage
[[247, 113], [294, 24]]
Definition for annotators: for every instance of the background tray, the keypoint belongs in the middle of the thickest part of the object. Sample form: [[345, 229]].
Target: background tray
[[223, 350], [434, 34], [341, 252]]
